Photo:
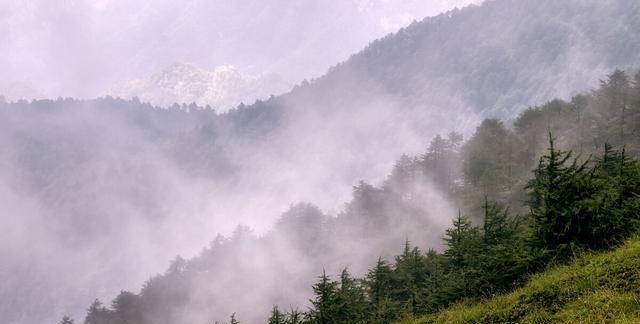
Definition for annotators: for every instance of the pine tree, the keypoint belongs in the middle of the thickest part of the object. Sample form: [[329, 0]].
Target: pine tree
[[489, 158], [379, 283], [555, 195], [504, 258], [409, 278], [441, 159], [66, 320], [461, 240], [351, 304], [614, 94], [98, 314], [434, 268], [276, 316], [497, 226], [619, 184], [294, 316], [233, 319], [324, 304], [127, 308], [464, 246], [402, 177]]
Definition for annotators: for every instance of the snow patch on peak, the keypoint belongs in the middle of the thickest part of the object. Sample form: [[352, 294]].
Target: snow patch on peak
[[222, 88]]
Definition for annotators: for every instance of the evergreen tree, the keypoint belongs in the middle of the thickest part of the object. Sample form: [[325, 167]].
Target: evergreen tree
[[504, 258], [98, 314], [489, 159], [434, 267], [276, 316], [461, 241], [464, 245], [66, 320], [409, 278], [619, 184], [614, 95], [127, 308], [351, 304], [441, 160], [497, 226], [379, 283], [556, 192], [294, 316], [233, 319], [323, 310], [402, 177]]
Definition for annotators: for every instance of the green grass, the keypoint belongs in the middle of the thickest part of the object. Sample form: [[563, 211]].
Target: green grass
[[595, 288]]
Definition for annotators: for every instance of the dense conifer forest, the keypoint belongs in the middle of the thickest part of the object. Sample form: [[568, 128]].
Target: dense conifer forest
[[558, 182]]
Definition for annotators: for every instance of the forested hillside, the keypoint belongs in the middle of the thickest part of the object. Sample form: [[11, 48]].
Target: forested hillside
[[594, 288], [571, 164], [129, 186]]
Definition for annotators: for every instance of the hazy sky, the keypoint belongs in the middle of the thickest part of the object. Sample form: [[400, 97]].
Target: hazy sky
[[81, 47]]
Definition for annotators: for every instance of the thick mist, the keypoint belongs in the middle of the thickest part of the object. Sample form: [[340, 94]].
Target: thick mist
[[99, 195], [96, 200]]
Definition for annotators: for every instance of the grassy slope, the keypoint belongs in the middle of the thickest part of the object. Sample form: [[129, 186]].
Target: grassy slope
[[596, 288]]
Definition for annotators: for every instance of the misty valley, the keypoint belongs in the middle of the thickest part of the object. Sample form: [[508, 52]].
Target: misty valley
[[460, 162]]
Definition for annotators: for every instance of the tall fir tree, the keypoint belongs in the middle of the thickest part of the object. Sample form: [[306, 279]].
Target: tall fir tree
[[556, 193], [294, 316], [324, 304], [380, 282], [351, 303], [277, 317], [409, 278]]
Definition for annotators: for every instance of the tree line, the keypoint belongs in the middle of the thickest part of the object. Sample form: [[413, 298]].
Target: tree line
[[560, 179]]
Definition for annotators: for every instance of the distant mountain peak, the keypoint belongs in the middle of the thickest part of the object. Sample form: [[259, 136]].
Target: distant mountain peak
[[222, 88]]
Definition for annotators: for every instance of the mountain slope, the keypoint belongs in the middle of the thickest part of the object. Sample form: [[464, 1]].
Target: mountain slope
[[441, 74], [122, 179], [498, 57], [595, 288]]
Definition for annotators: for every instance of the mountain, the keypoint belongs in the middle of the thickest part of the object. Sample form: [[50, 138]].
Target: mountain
[[496, 58], [223, 88], [115, 188], [129, 40]]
